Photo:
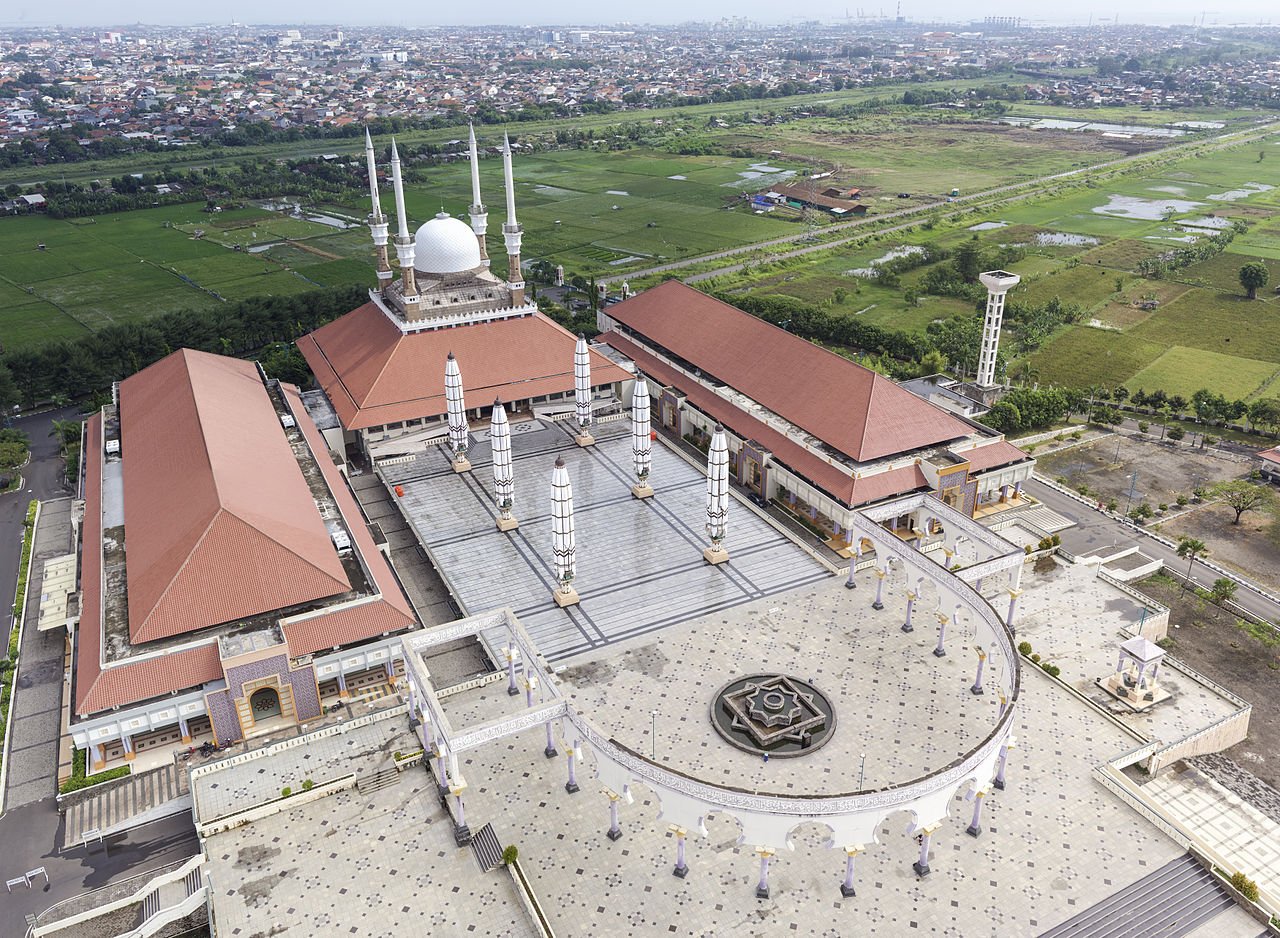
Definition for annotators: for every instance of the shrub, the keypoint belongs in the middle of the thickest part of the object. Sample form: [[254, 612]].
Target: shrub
[[1112, 505], [1163, 506], [286, 792], [1024, 648], [1050, 669], [1057, 541], [1143, 426], [307, 784], [1245, 886], [510, 853], [1182, 501], [1083, 489], [1035, 658], [1027, 549]]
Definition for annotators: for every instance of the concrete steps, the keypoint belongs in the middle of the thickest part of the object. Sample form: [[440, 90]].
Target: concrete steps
[[488, 848], [138, 799], [1173, 901], [377, 781]]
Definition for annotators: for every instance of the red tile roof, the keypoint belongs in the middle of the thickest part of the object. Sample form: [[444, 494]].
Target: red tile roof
[[376, 375], [849, 407], [1270, 455], [991, 456], [219, 522], [98, 688], [831, 479]]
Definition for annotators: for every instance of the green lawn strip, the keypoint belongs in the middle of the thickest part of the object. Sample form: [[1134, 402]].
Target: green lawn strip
[[9, 666], [1184, 371], [79, 780]]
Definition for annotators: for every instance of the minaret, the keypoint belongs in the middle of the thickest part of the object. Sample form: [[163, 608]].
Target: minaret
[[582, 391], [998, 283], [504, 486], [404, 243], [563, 547], [456, 409], [641, 437], [479, 214], [511, 231], [377, 221], [717, 497]]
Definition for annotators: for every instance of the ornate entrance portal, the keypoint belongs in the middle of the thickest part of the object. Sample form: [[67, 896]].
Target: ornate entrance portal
[[265, 704]]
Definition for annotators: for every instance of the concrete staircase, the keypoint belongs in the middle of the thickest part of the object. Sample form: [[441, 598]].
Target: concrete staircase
[[128, 803], [487, 847], [378, 780], [1174, 900]]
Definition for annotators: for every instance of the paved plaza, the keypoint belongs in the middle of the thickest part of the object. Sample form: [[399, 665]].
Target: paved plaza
[[639, 562], [1053, 843]]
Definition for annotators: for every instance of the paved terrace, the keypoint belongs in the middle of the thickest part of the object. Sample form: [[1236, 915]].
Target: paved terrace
[[640, 566], [910, 712], [1053, 843]]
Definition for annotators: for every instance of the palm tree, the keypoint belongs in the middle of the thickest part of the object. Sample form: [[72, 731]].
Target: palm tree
[[1223, 590], [1191, 548]]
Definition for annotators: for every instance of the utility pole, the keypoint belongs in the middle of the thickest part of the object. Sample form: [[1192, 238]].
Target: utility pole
[[1133, 488]]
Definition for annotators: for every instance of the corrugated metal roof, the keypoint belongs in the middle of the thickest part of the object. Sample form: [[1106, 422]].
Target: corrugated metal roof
[[219, 522], [851, 408], [374, 374]]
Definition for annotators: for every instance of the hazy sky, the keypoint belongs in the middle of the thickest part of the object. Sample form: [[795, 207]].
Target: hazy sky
[[121, 12]]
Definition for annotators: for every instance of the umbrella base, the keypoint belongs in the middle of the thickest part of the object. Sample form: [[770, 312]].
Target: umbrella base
[[715, 555], [564, 598], [585, 439], [642, 490], [508, 524], [462, 464]]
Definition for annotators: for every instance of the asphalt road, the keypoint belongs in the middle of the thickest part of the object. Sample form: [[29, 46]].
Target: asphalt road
[[42, 478], [30, 838], [1106, 530]]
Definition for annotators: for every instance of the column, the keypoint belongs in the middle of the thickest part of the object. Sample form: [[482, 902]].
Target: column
[[530, 683], [550, 752], [921, 866], [975, 825], [128, 747], [391, 672], [98, 756], [461, 833], [1013, 604], [846, 888], [1120, 662], [851, 583], [184, 729], [1004, 705], [512, 690], [911, 604], [442, 777], [342, 685], [881, 573], [571, 786], [977, 683], [940, 650], [615, 829], [1004, 761], [1017, 490], [681, 868], [762, 887]]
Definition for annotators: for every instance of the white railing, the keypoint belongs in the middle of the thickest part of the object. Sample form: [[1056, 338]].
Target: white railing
[[173, 876], [174, 913]]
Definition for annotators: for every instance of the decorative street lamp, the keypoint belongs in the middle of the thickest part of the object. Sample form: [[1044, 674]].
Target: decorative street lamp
[[641, 438], [563, 548], [717, 497], [457, 413], [504, 485]]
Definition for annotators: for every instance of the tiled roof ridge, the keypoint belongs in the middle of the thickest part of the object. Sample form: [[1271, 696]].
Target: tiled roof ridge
[[139, 635], [386, 363]]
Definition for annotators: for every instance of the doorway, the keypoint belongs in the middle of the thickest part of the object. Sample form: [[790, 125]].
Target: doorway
[[265, 704]]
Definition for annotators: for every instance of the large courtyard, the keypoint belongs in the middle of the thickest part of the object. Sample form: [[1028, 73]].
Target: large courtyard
[[639, 562]]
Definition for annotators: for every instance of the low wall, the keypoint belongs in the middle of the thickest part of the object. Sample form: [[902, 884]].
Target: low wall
[[1156, 625], [275, 806], [532, 907]]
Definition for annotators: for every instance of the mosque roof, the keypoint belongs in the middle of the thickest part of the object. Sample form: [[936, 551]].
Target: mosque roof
[[850, 408], [446, 245], [375, 374]]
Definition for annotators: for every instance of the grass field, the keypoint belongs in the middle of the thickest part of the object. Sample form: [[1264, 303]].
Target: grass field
[[1184, 371], [1082, 357]]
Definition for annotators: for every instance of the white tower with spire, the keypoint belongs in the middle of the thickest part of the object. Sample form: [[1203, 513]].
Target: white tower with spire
[[404, 243], [998, 283], [479, 214], [717, 497], [582, 391], [641, 438], [456, 410], [512, 233], [504, 485], [377, 221], [563, 546]]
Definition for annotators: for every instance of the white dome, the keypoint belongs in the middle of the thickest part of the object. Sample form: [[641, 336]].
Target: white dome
[[446, 245]]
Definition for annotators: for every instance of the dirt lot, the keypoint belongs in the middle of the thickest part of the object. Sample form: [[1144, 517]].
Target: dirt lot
[[1252, 546], [1164, 470], [1209, 640]]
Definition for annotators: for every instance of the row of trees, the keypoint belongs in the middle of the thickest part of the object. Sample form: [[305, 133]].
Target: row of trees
[[86, 367]]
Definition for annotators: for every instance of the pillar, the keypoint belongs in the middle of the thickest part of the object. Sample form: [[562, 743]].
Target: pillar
[[1004, 761], [762, 887], [1013, 604], [1004, 705], [615, 829], [342, 685], [529, 685], [571, 786], [461, 833], [940, 650], [880, 575], [550, 752], [512, 690], [184, 729], [1120, 662], [977, 683], [911, 604], [128, 747], [681, 869], [442, 778], [99, 757], [851, 583], [975, 825], [1017, 490], [846, 888], [921, 866], [390, 668]]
